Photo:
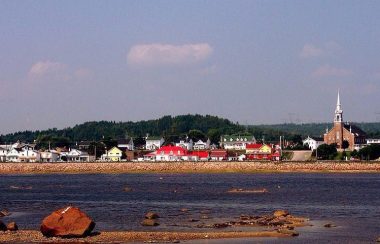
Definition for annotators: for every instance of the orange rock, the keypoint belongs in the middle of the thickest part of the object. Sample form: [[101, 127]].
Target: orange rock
[[67, 222]]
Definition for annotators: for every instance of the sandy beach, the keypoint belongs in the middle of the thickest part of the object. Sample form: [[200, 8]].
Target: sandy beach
[[188, 167], [34, 236]]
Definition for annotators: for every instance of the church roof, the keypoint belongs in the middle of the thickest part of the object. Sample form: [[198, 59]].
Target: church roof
[[354, 129]]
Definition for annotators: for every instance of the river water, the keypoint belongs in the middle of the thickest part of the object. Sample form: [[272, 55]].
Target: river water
[[350, 201]]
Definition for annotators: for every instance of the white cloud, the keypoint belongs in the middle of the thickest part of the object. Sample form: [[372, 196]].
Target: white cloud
[[328, 70], [166, 54], [309, 50], [326, 49], [43, 68], [83, 73]]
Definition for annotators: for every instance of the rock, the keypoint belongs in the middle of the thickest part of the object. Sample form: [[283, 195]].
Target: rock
[[151, 215], [67, 222], [3, 227], [184, 210], [329, 225], [205, 217], [280, 213], [127, 189], [4, 212], [176, 241], [220, 225], [149, 222], [288, 232], [12, 226], [193, 220], [378, 239]]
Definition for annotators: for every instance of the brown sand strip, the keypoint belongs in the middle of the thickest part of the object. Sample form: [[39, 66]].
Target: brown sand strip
[[33, 236], [188, 167]]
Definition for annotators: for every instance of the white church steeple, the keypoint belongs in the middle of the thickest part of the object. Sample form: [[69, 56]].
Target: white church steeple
[[338, 111]]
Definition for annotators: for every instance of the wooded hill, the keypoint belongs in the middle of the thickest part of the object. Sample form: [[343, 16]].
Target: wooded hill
[[173, 128]]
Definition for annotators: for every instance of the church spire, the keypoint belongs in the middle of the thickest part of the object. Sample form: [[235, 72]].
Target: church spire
[[338, 111]]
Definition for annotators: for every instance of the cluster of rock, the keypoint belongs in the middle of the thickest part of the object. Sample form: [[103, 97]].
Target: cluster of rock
[[280, 219], [11, 226], [150, 219], [71, 222]]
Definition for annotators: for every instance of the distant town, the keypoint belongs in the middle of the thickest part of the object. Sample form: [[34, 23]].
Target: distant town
[[344, 141]]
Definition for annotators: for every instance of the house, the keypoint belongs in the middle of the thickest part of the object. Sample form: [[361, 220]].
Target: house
[[236, 142], [153, 143], [373, 141], [218, 155], [170, 153], [197, 156], [13, 155], [3, 154], [28, 154], [126, 144], [259, 152], [114, 154], [313, 142], [75, 155], [353, 135], [49, 156], [84, 145], [186, 144], [200, 145]]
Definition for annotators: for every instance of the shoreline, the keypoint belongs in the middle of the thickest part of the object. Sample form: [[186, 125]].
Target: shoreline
[[189, 167], [27, 236]]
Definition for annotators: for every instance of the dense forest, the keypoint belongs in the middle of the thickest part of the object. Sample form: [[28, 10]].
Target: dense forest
[[173, 128]]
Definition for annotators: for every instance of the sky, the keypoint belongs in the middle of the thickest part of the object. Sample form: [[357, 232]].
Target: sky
[[254, 62]]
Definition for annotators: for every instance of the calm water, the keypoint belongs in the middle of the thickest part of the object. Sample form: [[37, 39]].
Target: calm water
[[351, 201]]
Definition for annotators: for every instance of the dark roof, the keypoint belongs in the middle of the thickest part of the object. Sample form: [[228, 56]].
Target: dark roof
[[123, 141], [354, 129]]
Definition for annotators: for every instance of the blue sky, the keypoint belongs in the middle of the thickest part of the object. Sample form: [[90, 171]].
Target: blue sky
[[66, 62]]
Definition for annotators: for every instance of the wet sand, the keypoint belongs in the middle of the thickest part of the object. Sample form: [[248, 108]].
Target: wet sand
[[189, 167], [33, 236]]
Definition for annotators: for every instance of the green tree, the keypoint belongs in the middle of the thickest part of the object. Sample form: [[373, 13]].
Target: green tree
[[196, 135], [327, 151], [214, 135], [370, 152]]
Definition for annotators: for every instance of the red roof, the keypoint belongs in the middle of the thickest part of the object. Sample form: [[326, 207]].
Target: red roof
[[253, 146], [172, 150], [218, 153], [200, 154]]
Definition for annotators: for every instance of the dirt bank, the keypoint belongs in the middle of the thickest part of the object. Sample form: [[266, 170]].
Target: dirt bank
[[187, 167]]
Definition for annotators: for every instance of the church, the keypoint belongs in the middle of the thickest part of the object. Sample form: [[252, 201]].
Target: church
[[344, 131]]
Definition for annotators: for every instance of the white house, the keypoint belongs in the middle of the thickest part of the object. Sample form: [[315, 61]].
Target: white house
[[28, 154], [154, 143], [200, 145], [13, 155], [312, 142], [76, 155], [186, 144], [49, 156], [236, 142]]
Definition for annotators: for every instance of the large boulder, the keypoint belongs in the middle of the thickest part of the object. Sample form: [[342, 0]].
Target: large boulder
[[12, 226], [67, 222]]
